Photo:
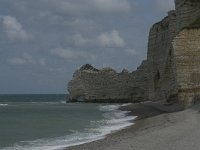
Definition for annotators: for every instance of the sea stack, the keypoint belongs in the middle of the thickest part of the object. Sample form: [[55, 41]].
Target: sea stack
[[170, 73]]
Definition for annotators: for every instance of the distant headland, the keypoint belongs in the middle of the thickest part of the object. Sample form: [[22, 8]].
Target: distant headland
[[170, 73]]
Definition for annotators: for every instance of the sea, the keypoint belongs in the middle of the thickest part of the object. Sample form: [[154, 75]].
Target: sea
[[47, 122]]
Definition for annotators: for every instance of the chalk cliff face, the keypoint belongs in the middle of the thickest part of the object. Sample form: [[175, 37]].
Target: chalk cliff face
[[162, 81], [170, 73], [186, 47], [105, 85]]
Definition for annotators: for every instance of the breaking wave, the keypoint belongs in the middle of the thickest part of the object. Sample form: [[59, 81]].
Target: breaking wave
[[113, 120]]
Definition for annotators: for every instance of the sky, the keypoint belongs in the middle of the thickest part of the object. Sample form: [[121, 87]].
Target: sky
[[42, 42]]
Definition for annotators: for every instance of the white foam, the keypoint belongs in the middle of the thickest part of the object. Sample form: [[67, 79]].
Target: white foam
[[62, 102], [114, 120], [56, 143], [51, 103], [126, 104], [3, 105], [109, 107]]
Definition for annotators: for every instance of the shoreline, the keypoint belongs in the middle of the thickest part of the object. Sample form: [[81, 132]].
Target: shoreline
[[144, 112]]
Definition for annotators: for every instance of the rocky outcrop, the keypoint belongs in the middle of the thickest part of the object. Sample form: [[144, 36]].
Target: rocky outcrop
[[162, 81], [171, 72], [105, 85]]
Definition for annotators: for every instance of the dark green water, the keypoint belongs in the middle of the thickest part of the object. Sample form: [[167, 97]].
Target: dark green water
[[39, 122]]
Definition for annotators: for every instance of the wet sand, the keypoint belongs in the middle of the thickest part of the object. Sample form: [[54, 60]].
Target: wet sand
[[158, 127]]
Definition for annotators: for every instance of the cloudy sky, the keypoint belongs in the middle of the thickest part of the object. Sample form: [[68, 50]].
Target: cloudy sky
[[42, 42]]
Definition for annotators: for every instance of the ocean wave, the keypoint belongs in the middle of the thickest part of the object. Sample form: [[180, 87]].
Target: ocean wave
[[126, 104], [109, 107], [51, 103], [62, 102], [3, 105], [56, 143], [113, 107], [113, 120]]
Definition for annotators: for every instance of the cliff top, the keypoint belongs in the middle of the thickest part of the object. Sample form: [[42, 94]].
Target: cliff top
[[108, 69], [88, 67]]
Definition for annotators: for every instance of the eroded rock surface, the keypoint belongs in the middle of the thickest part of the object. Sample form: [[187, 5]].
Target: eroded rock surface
[[105, 85], [171, 72]]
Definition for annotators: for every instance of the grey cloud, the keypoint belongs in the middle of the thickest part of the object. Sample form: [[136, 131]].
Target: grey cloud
[[16, 61], [71, 54], [111, 6], [131, 51], [112, 39], [14, 29], [26, 59], [83, 25], [105, 39], [83, 7]]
